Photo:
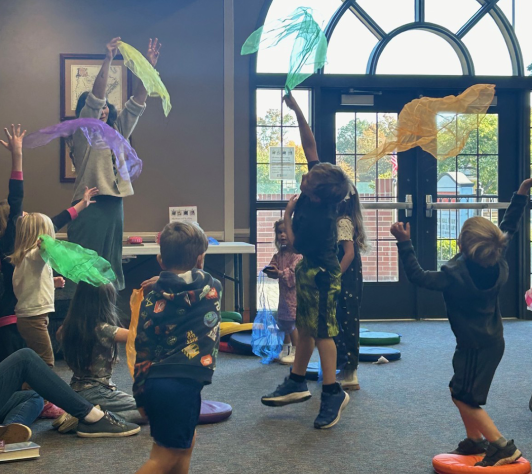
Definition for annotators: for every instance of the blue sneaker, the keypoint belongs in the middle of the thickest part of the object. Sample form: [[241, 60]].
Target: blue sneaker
[[331, 408], [288, 392]]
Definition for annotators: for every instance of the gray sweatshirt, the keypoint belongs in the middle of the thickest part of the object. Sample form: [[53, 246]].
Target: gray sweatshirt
[[95, 167]]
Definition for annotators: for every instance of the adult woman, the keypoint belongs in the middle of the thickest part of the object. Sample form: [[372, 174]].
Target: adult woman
[[101, 229]]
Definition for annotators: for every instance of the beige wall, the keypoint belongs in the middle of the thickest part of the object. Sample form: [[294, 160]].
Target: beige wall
[[182, 154]]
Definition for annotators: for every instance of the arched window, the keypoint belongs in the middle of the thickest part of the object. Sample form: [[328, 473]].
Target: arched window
[[484, 36]]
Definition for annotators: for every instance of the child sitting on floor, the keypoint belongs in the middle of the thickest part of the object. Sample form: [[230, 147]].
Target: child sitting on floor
[[89, 338], [283, 268], [178, 335], [470, 283]]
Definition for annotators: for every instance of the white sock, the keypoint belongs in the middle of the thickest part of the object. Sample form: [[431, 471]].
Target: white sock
[[94, 415]]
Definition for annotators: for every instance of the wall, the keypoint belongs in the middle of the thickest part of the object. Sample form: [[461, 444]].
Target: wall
[[183, 154]]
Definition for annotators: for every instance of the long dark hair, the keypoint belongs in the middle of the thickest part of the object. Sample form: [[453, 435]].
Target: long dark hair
[[111, 118], [352, 209], [90, 307]]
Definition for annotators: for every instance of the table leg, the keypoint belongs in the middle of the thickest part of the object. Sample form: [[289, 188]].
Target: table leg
[[240, 284]]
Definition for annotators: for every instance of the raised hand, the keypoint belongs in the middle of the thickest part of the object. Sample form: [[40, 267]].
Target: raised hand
[[154, 48], [111, 48], [400, 232], [524, 189], [14, 139], [291, 102], [292, 204], [88, 195]]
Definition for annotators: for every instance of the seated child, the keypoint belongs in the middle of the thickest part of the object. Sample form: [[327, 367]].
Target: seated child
[[470, 283], [89, 338], [178, 335], [283, 268]]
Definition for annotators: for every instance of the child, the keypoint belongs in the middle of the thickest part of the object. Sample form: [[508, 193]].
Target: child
[[318, 276], [89, 339], [283, 267], [177, 344], [352, 241], [470, 283]]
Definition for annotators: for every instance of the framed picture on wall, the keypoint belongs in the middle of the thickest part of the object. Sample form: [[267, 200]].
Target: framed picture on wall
[[77, 75], [67, 172]]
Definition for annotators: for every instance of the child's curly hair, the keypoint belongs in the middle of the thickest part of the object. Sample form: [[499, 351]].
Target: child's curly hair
[[328, 182], [482, 241]]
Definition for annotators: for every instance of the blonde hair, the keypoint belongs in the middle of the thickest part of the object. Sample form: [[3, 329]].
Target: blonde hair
[[4, 214], [482, 241], [29, 228]]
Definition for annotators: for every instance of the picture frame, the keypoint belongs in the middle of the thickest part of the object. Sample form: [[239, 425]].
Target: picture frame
[[77, 74], [67, 172]]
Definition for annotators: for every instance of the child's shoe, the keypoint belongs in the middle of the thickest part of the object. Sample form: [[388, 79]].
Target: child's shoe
[[110, 426], [349, 380], [50, 411], [14, 433], [467, 447], [496, 456], [284, 352], [288, 392], [66, 423], [331, 408], [289, 358]]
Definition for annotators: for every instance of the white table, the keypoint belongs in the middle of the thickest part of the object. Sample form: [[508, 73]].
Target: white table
[[237, 249]]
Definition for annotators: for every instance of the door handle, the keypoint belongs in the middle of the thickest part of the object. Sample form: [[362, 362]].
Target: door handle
[[431, 206]]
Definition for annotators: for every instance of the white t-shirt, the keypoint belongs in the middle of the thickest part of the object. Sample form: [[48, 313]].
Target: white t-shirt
[[33, 285], [346, 229]]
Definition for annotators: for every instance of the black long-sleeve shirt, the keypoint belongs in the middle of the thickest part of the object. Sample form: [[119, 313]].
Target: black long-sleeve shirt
[[471, 299]]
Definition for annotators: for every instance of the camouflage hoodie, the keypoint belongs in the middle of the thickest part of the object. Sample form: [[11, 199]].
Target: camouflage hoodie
[[178, 332]]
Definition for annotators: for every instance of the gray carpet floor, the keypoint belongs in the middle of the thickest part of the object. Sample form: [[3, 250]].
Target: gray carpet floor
[[395, 424]]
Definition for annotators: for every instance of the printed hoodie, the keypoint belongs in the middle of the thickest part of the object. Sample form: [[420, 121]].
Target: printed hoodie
[[178, 332]]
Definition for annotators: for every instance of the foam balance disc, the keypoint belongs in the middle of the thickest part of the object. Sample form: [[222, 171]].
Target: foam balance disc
[[225, 347], [214, 412], [313, 371], [230, 328], [379, 338], [241, 343], [363, 330], [455, 464], [228, 316], [372, 354]]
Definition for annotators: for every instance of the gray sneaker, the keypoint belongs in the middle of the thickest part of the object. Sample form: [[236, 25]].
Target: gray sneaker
[[110, 426]]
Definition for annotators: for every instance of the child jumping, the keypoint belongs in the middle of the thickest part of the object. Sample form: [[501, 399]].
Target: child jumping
[[470, 283], [89, 338], [352, 241], [282, 267], [178, 335], [312, 232]]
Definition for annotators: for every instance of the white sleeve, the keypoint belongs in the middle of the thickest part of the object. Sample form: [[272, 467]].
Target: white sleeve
[[346, 230]]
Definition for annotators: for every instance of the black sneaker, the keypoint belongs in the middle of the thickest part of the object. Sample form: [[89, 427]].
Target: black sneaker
[[332, 405], [110, 426], [288, 392], [468, 447], [496, 456]]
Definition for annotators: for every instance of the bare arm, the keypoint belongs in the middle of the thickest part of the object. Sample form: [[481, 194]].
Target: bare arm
[[100, 84], [121, 335], [140, 94], [349, 254], [288, 219], [307, 137]]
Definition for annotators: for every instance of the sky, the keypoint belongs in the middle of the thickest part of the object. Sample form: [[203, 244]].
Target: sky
[[413, 52]]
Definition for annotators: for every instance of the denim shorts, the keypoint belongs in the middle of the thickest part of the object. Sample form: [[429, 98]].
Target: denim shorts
[[172, 406]]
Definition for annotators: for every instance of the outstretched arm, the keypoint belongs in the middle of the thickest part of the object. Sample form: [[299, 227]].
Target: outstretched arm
[[512, 216], [16, 184], [307, 137], [64, 217], [430, 280], [288, 219], [100, 84], [140, 94]]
